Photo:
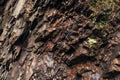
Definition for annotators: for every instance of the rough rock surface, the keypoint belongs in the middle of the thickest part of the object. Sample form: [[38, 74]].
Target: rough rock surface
[[59, 40]]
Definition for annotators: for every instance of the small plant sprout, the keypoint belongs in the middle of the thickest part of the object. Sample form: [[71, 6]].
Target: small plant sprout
[[91, 42], [101, 26]]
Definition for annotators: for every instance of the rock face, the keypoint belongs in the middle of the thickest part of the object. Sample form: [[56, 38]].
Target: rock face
[[59, 40]]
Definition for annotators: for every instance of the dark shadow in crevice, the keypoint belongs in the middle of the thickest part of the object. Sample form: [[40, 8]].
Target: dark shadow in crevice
[[70, 51], [35, 21], [111, 75], [78, 77], [1, 31], [3, 2], [80, 59], [23, 37], [45, 38]]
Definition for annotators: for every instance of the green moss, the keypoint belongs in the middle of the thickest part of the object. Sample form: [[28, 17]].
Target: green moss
[[101, 26], [91, 42]]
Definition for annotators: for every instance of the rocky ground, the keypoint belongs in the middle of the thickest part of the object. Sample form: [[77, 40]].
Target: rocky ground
[[59, 40]]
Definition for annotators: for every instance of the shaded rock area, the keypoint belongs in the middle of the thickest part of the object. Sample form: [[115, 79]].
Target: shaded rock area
[[59, 40]]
